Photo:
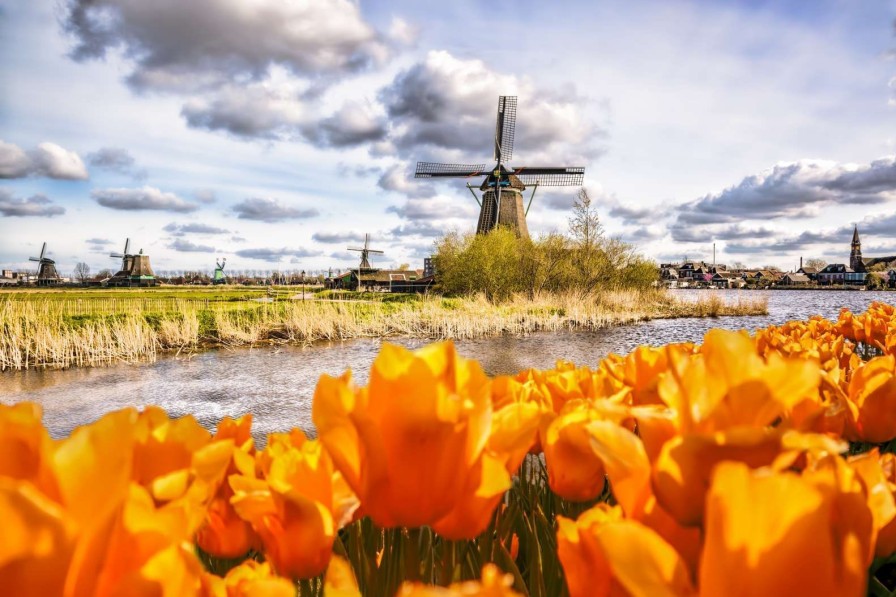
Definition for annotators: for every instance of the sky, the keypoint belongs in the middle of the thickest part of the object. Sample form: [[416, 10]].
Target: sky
[[276, 133]]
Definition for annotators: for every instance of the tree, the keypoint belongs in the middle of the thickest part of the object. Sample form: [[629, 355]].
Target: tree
[[584, 225], [817, 263], [103, 274], [82, 272], [404, 267]]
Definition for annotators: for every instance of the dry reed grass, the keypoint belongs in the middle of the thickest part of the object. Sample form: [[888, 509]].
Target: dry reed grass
[[42, 334]]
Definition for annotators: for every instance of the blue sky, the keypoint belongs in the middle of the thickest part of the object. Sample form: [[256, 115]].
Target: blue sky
[[278, 133]]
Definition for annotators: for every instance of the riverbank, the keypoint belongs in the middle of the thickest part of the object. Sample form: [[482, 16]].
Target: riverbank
[[60, 331]]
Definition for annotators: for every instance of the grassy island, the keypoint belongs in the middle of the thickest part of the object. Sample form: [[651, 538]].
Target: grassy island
[[67, 327]]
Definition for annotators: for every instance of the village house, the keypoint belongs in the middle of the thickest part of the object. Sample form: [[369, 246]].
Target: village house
[[795, 279]]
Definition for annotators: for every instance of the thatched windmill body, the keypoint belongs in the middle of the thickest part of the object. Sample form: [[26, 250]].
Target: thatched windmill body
[[135, 269], [503, 186], [46, 269], [366, 251]]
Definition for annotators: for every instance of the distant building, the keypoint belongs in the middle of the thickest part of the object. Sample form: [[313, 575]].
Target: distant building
[[429, 268], [795, 279], [838, 273]]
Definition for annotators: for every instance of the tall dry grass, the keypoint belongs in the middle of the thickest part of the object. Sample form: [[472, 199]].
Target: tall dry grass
[[43, 334]]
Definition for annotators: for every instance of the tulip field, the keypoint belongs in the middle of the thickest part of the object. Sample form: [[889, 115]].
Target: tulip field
[[752, 465]]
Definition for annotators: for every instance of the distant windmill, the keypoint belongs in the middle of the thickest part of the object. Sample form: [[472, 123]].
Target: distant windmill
[[365, 253], [219, 272], [46, 269], [135, 269], [502, 198]]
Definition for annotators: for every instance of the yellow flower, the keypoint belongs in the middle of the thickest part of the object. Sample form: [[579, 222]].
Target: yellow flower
[[340, 580], [763, 528], [494, 583], [604, 554], [294, 510], [416, 444], [249, 579], [872, 401]]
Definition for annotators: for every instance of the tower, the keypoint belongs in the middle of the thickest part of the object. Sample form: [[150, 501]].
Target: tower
[[503, 186], [855, 253]]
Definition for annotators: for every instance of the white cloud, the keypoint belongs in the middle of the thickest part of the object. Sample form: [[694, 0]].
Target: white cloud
[[141, 199], [47, 160], [34, 206], [268, 209]]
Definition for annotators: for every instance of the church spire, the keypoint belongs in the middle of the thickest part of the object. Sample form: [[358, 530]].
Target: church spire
[[855, 255]]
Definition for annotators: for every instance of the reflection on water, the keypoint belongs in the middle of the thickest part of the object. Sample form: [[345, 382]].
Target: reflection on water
[[276, 383]]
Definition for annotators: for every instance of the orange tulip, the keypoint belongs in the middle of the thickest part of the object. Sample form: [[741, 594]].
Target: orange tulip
[[419, 445], [340, 580], [223, 533], [249, 579], [763, 527], [872, 401], [604, 554], [294, 509], [494, 583]]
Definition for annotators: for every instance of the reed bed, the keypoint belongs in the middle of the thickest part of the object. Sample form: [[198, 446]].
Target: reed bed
[[59, 333]]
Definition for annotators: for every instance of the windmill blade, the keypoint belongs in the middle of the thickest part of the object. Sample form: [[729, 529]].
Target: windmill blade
[[436, 170], [116, 255], [505, 127], [35, 259], [127, 245], [43, 250], [375, 251], [366, 241], [550, 177], [354, 249]]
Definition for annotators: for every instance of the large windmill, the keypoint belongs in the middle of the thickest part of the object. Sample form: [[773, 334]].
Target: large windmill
[[502, 197], [135, 269], [46, 269]]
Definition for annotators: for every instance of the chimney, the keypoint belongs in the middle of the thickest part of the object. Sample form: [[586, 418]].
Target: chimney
[[801, 262]]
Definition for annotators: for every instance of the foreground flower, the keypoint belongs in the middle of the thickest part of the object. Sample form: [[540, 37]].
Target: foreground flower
[[604, 554], [872, 401], [249, 579], [494, 583], [763, 527], [296, 509], [418, 445]]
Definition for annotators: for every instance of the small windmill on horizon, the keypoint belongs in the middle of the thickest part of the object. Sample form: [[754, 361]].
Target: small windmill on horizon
[[46, 269], [365, 253], [365, 257], [502, 189]]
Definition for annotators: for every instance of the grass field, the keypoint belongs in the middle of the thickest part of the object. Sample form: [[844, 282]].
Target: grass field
[[74, 327]]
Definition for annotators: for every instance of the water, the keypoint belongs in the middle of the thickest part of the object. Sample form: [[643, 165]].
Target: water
[[276, 384]]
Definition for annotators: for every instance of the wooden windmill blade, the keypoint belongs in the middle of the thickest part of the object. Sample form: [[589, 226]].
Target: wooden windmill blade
[[438, 170], [43, 250], [505, 128], [550, 176]]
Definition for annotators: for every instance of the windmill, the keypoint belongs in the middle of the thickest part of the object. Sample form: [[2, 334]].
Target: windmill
[[365, 254], [219, 272], [135, 269], [46, 269], [502, 197]]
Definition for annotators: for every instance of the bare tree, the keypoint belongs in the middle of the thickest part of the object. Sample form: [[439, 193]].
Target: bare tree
[[816, 262], [82, 272], [584, 225]]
